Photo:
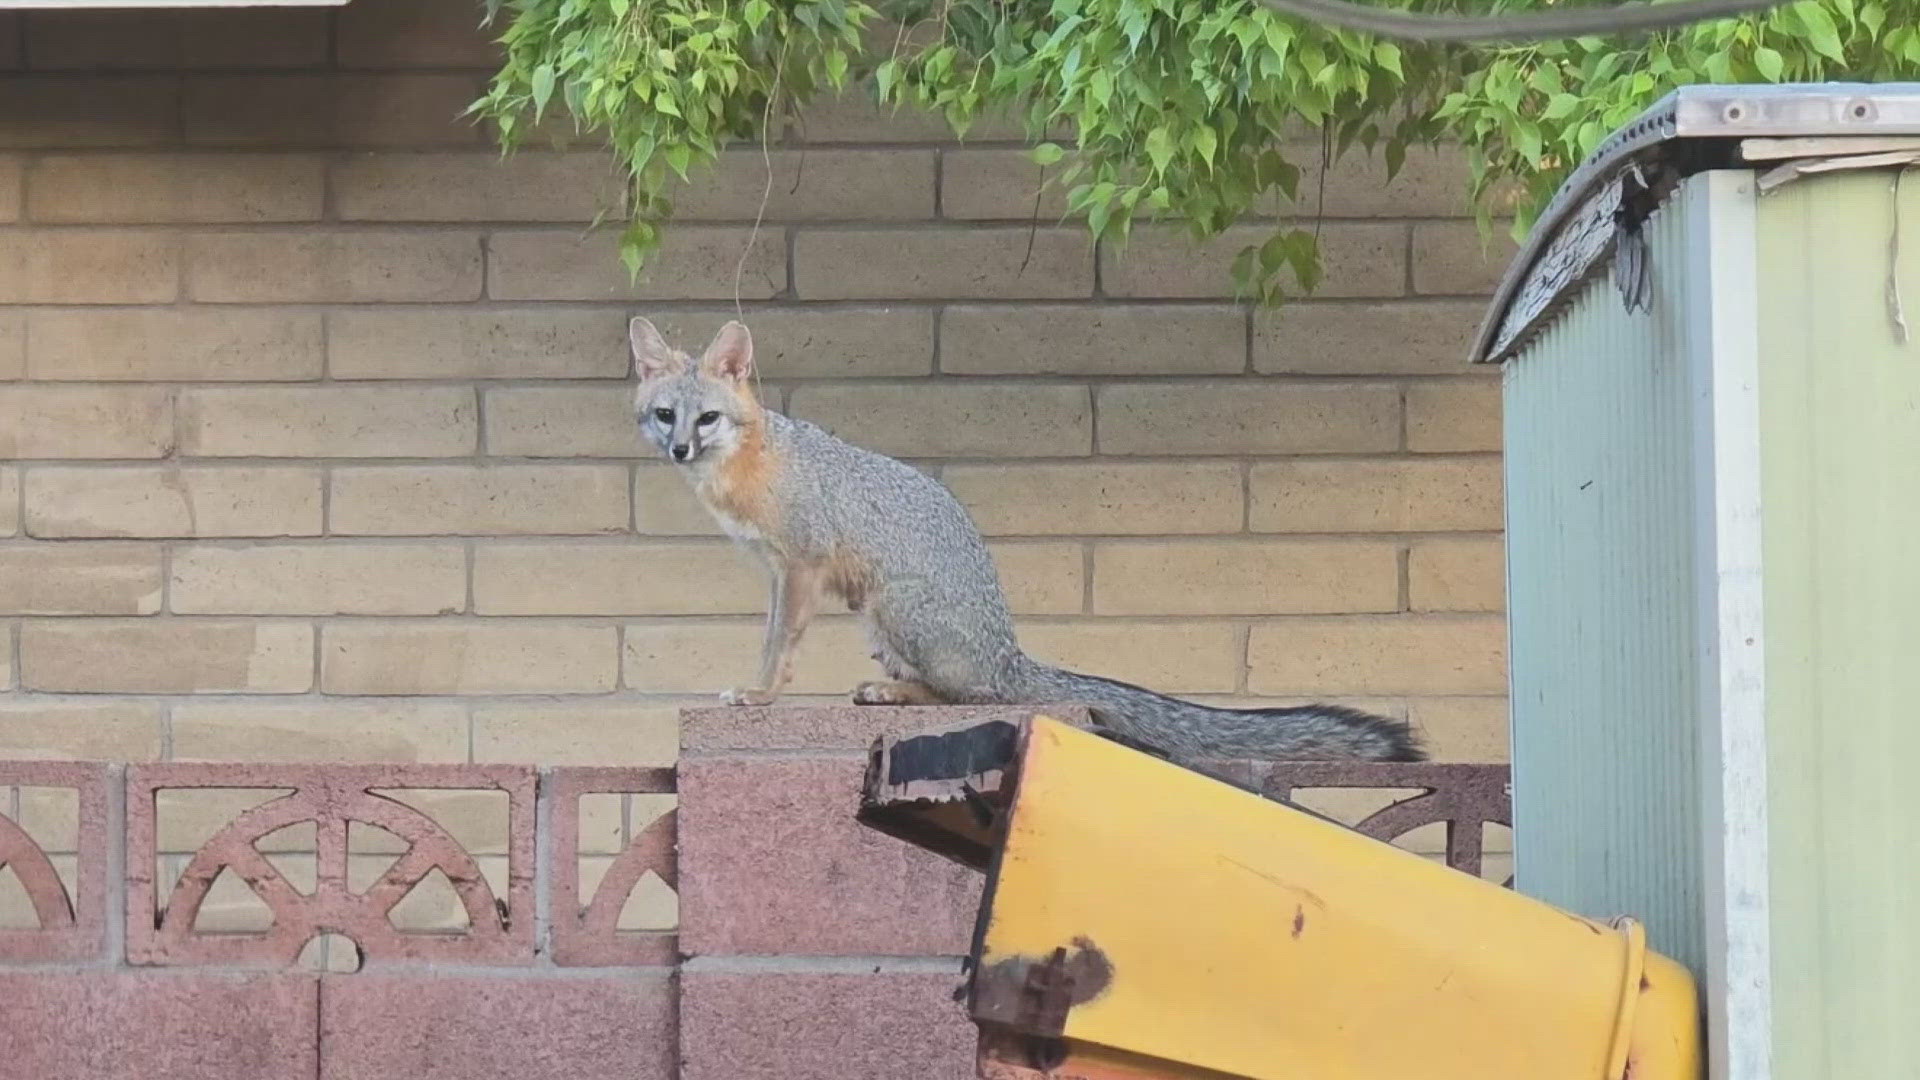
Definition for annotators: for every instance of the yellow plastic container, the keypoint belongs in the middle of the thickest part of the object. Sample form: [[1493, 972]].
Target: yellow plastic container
[[1142, 919]]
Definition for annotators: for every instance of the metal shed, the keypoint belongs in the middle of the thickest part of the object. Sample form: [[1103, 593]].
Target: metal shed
[[1712, 422]]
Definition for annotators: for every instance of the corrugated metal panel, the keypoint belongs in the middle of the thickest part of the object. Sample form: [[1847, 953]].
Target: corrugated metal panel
[[1601, 519], [1840, 422]]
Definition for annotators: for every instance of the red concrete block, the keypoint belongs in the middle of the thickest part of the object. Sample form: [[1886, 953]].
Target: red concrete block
[[103, 1025], [500, 928], [773, 863], [587, 934], [839, 727], [822, 1026], [503, 1027], [72, 927]]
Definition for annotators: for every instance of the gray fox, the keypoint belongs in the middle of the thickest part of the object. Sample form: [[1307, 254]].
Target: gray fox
[[895, 545]]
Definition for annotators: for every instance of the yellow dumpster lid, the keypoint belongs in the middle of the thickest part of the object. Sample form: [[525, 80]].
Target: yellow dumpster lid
[[1147, 920]]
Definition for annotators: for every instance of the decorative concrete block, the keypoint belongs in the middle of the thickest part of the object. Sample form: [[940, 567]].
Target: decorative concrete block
[[73, 925], [587, 934], [500, 928], [1465, 797]]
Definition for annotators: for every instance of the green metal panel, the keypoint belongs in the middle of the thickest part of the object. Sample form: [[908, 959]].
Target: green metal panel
[[1840, 416], [1603, 612]]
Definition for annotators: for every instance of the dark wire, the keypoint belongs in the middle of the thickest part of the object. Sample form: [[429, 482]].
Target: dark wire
[[1533, 26]]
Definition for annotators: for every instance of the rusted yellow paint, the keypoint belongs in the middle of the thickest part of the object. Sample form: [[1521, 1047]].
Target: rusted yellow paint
[[1211, 931]]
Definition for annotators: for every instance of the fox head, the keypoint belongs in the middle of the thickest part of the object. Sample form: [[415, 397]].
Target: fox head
[[695, 411]]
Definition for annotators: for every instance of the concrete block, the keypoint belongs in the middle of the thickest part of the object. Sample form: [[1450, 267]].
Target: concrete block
[[74, 1025], [803, 1025], [480, 1027], [773, 863]]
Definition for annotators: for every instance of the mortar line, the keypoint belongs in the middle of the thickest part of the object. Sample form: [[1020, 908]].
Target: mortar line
[[1404, 568], [1248, 368], [1086, 577], [1246, 496], [542, 877], [319, 1017], [116, 883]]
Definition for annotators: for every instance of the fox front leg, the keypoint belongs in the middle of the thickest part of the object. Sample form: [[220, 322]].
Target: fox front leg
[[763, 691], [795, 595]]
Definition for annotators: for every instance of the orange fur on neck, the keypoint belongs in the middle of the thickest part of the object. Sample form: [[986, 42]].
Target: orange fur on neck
[[742, 486]]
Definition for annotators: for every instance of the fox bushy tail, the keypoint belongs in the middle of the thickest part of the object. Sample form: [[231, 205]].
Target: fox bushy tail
[[1189, 731]]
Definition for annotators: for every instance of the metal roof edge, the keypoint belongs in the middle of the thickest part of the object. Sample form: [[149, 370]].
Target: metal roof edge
[[1653, 126], [1571, 239]]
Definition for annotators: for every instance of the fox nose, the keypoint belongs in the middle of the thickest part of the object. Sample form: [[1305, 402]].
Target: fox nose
[[681, 450]]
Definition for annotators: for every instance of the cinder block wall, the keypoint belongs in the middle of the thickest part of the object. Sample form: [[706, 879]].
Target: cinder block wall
[[314, 439]]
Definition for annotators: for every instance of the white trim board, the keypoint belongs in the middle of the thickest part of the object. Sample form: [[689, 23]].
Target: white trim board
[[1725, 353]]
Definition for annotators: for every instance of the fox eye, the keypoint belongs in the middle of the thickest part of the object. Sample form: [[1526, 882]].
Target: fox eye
[[665, 416], [709, 418]]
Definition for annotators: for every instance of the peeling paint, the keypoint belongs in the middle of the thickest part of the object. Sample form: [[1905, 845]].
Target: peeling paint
[[1035, 996]]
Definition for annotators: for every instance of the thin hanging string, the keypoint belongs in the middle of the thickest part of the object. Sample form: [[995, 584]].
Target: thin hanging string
[[766, 190], [1895, 310], [766, 196]]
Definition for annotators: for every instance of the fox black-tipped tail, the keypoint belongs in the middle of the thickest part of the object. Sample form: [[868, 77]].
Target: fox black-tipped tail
[[1184, 729]]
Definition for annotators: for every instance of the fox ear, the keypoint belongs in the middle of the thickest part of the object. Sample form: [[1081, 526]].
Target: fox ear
[[730, 356], [651, 357]]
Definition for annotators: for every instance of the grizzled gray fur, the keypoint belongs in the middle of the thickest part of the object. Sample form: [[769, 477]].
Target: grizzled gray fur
[[831, 519]]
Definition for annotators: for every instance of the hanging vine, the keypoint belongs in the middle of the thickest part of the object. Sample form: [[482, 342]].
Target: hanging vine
[[1174, 106]]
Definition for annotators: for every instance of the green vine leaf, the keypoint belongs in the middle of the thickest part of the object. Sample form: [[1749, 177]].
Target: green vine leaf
[[542, 89], [1198, 112], [1822, 34], [1159, 149]]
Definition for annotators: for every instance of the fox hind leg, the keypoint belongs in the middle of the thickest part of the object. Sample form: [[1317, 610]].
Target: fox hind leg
[[902, 686], [884, 654], [895, 692]]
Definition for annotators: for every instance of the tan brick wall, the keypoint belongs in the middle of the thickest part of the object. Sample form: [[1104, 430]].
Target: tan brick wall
[[314, 439]]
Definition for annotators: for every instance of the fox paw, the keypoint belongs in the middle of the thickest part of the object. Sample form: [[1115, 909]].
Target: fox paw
[[883, 692], [875, 693], [746, 696]]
